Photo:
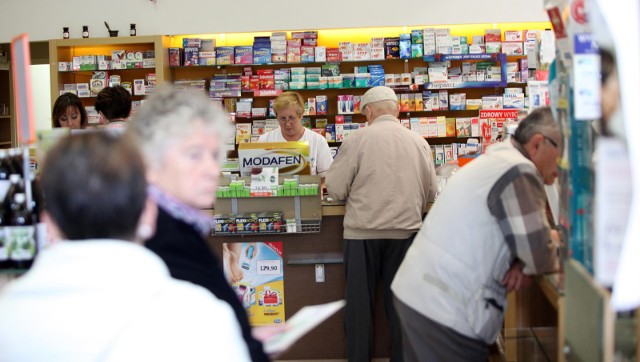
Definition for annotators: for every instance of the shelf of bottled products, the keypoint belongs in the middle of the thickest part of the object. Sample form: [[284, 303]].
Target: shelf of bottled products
[[21, 200]]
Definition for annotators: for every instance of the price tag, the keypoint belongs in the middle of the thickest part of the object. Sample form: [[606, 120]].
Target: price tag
[[269, 267]]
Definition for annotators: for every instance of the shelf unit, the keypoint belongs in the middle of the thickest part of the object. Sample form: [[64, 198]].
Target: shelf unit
[[306, 210], [66, 49], [473, 90], [63, 50]]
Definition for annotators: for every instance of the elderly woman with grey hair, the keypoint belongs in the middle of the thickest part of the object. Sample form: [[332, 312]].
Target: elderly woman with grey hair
[[180, 134]]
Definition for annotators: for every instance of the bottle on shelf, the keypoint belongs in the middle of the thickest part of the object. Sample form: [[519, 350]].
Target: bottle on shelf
[[14, 188], [85, 31], [37, 202], [132, 30], [37, 206], [5, 263], [15, 158], [5, 171], [6, 166], [5, 185], [65, 32], [21, 234]]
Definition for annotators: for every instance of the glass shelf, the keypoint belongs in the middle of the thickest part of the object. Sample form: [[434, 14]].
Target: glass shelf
[[399, 89], [428, 138], [461, 85], [460, 112], [218, 66], [445, 57], [304, 226], [448, 111], [105, 70], [264, 197]]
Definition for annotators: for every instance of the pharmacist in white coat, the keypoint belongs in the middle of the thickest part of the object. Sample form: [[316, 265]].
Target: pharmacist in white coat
[[97, 294], [289, 108]]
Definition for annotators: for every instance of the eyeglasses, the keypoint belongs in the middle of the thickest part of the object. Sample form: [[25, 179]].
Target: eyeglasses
[[290, 119], [553, 143]]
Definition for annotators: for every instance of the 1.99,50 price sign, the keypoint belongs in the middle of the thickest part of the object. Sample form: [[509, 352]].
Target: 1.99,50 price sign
[[269, 267]]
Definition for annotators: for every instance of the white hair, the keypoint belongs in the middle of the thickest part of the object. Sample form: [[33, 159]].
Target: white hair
[[169, 115], [384, 106]]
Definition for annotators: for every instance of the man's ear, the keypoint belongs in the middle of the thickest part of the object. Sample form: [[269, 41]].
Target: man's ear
[[147, 223], [366, 114], [534, 144], [397, 112], [54, 234]]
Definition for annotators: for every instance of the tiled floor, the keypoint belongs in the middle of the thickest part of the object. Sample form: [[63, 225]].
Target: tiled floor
[[518, 345]]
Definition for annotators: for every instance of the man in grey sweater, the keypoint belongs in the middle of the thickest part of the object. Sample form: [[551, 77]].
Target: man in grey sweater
[[386, 175]]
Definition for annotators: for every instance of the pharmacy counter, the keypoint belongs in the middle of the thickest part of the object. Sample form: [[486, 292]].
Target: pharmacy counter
[[313, 272], [303, 255], [534, 320]]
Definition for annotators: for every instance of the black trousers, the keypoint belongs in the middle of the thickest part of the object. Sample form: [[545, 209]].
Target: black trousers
[[366, 262]]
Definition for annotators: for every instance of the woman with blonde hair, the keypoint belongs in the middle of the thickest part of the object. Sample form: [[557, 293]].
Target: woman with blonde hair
[[289, 108]]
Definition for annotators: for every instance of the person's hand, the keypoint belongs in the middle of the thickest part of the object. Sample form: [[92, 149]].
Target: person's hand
[[556, 246], [515, 279], [267, 332]]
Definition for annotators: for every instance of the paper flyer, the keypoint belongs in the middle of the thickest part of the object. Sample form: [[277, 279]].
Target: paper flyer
[[300, 324], [586, 78], [255, 273]]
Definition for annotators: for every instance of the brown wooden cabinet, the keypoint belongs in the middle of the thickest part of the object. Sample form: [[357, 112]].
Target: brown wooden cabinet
[[63, 50], [7, 114]]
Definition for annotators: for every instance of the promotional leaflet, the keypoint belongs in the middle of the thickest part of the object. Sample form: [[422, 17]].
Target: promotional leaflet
[[586, 79], [493, 120], [254, 270], [301, 323]]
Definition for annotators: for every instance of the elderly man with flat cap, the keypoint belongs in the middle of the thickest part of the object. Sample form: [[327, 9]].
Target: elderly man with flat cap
[[385, 174]]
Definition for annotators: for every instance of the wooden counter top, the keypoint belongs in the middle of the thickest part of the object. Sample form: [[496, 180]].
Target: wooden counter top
[[333, 208]]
